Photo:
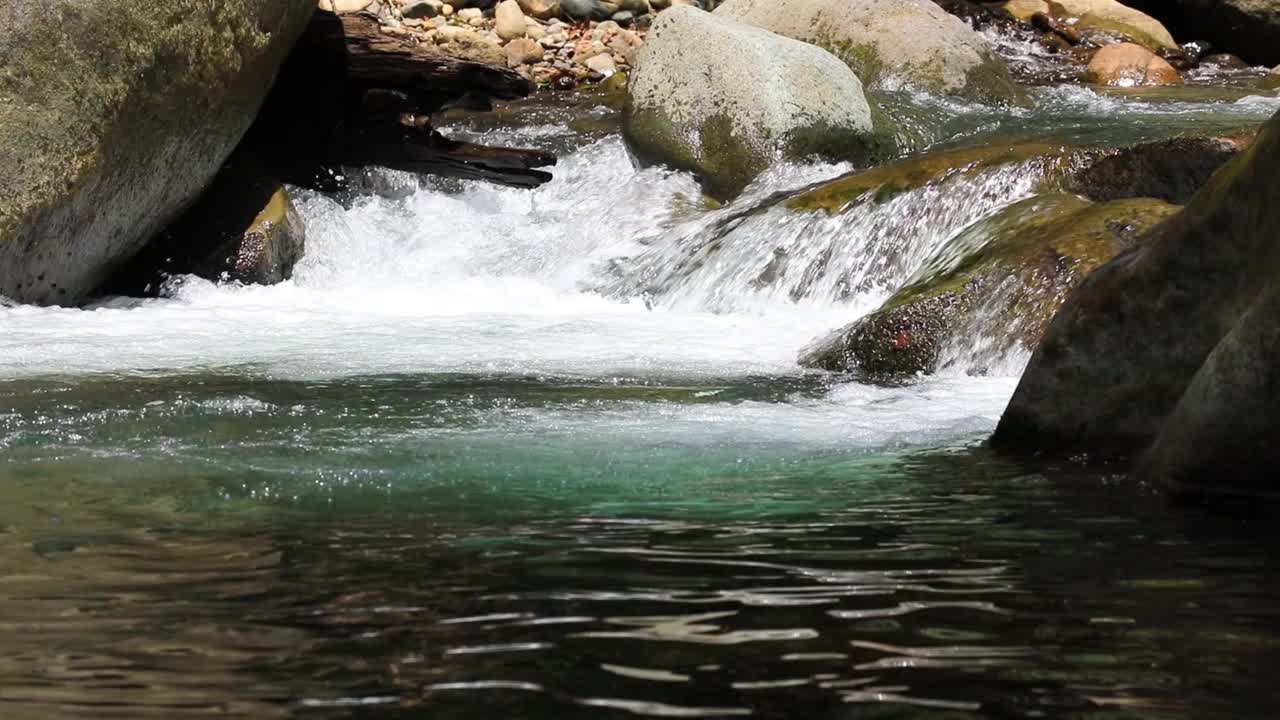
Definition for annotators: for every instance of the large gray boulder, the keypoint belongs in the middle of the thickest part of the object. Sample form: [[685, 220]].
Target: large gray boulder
[[888, 42], [115, 115], [725, 100], [1173, 345]]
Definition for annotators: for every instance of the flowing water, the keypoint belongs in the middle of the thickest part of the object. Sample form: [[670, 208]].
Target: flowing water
[[549, 454]]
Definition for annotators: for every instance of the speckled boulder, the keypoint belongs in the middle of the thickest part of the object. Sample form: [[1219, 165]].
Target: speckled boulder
[[115, 115], [889, 42], [725, 100]]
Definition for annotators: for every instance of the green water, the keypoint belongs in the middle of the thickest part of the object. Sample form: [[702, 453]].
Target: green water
[[443, 547], [443, 474]]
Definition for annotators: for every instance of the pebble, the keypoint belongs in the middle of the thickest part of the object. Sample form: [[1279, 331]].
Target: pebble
[[530, 36]]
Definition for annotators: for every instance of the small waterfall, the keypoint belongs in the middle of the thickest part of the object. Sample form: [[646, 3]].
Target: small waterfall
[[768, 254]]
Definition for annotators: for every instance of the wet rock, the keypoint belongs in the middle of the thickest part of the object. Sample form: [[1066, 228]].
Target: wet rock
[[1130, 65], [1170, 169], [911, 41], [1224, 61], [1173, 346], [419, 9], [1116, 19], [114, 117], [885, 182], [1049, 24], [243, 229], [1001, 280], [1173, 169], [725, 100], [1024, 10]]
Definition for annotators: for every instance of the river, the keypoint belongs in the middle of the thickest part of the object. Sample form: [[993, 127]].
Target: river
[[549, 454]]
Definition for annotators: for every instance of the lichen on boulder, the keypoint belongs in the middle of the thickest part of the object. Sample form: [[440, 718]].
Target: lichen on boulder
[[115, 115], [889, 42], [725, 100]]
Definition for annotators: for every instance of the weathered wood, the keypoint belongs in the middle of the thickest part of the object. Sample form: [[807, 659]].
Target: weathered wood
[[351, 95], [365, 58], [411, 145]]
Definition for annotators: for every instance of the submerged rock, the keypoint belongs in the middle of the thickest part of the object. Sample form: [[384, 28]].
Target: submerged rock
[[243, 229], [1173, 345], [725, 100], [115, 115], [1001, 279], [1130, 65], [887, 41]]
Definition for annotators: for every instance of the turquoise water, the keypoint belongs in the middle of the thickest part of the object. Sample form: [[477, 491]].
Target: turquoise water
[[406, 546], [548, 454]]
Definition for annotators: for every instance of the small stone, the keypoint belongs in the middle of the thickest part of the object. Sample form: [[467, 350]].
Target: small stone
[[602, 64], [343, 7], [541, 9], [534, 29], [624, 17], [420, 9], [523, 51], [468, 14], [1130, 65], [510, 20]]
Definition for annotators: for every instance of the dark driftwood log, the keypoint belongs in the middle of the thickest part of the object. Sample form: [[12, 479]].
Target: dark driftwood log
[[413, 146], [351, 95], [372, 59]]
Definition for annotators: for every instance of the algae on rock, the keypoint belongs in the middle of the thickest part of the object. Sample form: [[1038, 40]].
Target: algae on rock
[[1000, 281], [1168, 351]]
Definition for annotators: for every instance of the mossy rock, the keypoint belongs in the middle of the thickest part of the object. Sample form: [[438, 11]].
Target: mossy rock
[[1171, 169], [1103, 31], [725, 100], [1008, 272], [881, 184]]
